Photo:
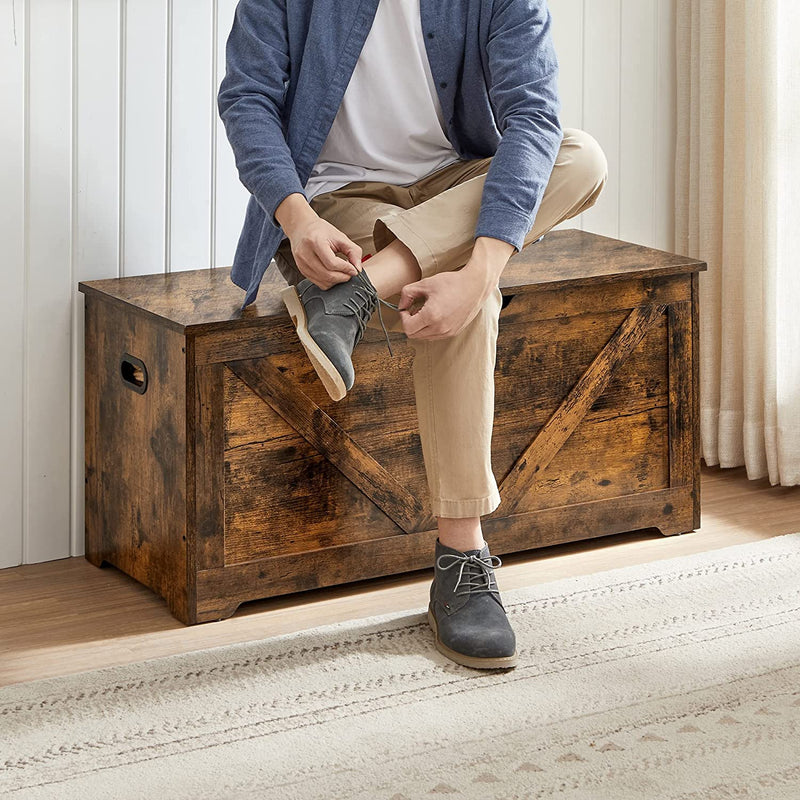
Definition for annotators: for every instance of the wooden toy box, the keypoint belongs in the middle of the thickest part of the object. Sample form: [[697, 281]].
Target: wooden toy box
[[218, 470]]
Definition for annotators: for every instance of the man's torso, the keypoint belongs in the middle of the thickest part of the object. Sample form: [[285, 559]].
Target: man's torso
[[389, 126]]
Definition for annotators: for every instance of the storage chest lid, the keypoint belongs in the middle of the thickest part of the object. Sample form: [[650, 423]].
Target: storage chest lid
[[195, 301]]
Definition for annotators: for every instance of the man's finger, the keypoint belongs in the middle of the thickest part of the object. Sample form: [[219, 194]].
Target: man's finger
[[412, 323], [334, 263], [320, 275], [410, 293], [324, 251], [352, 251]]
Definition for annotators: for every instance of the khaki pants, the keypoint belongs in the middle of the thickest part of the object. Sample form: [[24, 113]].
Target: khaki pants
[[453, 377]]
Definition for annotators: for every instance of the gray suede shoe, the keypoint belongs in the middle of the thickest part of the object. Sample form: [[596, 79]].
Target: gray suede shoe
[[331, 322], [465, 612]]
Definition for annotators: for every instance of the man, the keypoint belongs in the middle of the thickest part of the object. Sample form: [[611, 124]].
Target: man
[[424, 136]]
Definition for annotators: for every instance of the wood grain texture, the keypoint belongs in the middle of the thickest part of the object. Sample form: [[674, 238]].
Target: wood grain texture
[[628, 420], [694, 354], [282, 494], [210, 461], [221, 591], [681, 433], [202, 300], [535, 458], [257, 484], [136, 453], [93, 514], [333, 442], [273, 335]]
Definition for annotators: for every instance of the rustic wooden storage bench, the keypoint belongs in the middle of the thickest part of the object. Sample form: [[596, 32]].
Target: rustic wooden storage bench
[[218, 470]]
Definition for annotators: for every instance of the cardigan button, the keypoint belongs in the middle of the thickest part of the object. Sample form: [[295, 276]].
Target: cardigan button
[[443, 84], [430, 34]]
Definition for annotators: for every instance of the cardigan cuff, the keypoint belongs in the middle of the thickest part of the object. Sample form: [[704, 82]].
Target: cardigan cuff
[[278, 185], [503, 223]]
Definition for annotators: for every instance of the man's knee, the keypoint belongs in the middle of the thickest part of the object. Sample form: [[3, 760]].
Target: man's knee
[[588, 163]]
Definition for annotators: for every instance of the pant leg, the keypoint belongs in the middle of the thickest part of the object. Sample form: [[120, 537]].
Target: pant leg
[[454, 390], [439, 229], [454, 377]]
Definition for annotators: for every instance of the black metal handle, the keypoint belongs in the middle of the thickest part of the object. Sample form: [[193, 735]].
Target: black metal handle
[[133, 373]]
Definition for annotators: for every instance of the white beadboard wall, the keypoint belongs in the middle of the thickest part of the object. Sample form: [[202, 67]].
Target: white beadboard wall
[[114, 163]]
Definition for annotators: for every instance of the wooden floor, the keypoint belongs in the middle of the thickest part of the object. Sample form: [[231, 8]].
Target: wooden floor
[[67, 616]]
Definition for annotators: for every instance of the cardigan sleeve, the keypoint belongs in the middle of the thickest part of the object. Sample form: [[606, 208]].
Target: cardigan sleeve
[[523, 91], [250, 102]]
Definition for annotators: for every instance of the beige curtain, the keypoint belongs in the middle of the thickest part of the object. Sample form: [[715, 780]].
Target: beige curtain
[[737, 208]]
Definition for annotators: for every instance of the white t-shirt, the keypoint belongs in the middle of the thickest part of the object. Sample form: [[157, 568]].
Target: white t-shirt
[[389, 126]]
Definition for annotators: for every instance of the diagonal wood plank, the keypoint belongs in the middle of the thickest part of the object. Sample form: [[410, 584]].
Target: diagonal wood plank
[[332, 441], [566, 418]]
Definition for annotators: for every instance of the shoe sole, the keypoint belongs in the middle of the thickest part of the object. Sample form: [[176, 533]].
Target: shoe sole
[[501, 662], [327, 372]]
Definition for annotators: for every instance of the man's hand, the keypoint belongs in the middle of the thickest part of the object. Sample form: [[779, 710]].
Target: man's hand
[[451, 300], [315, 242], [314, 246]]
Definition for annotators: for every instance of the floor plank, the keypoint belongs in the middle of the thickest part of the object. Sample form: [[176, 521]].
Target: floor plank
[[66, 616]]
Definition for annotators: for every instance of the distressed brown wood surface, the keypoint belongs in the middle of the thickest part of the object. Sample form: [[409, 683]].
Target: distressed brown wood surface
[[221, 591], [681, 432], [92, 428], [693, 355], [236, 477], [282, 495], [273, 334], [574, 406], [203, 300], [332, 441], [582, 467], [276, 482], [620, 445], [209, 466], [136, 453]]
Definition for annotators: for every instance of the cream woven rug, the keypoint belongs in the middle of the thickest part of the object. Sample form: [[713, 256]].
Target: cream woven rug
[[676, 679]]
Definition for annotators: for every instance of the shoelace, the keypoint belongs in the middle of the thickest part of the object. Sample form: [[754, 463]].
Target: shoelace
[[484, 575], [362, 311]]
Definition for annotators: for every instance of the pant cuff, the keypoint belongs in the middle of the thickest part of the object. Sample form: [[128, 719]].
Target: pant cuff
[[392, 226], [466, 508]]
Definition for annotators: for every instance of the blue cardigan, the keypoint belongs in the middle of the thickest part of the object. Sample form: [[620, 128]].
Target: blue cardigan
[[288, 64]]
